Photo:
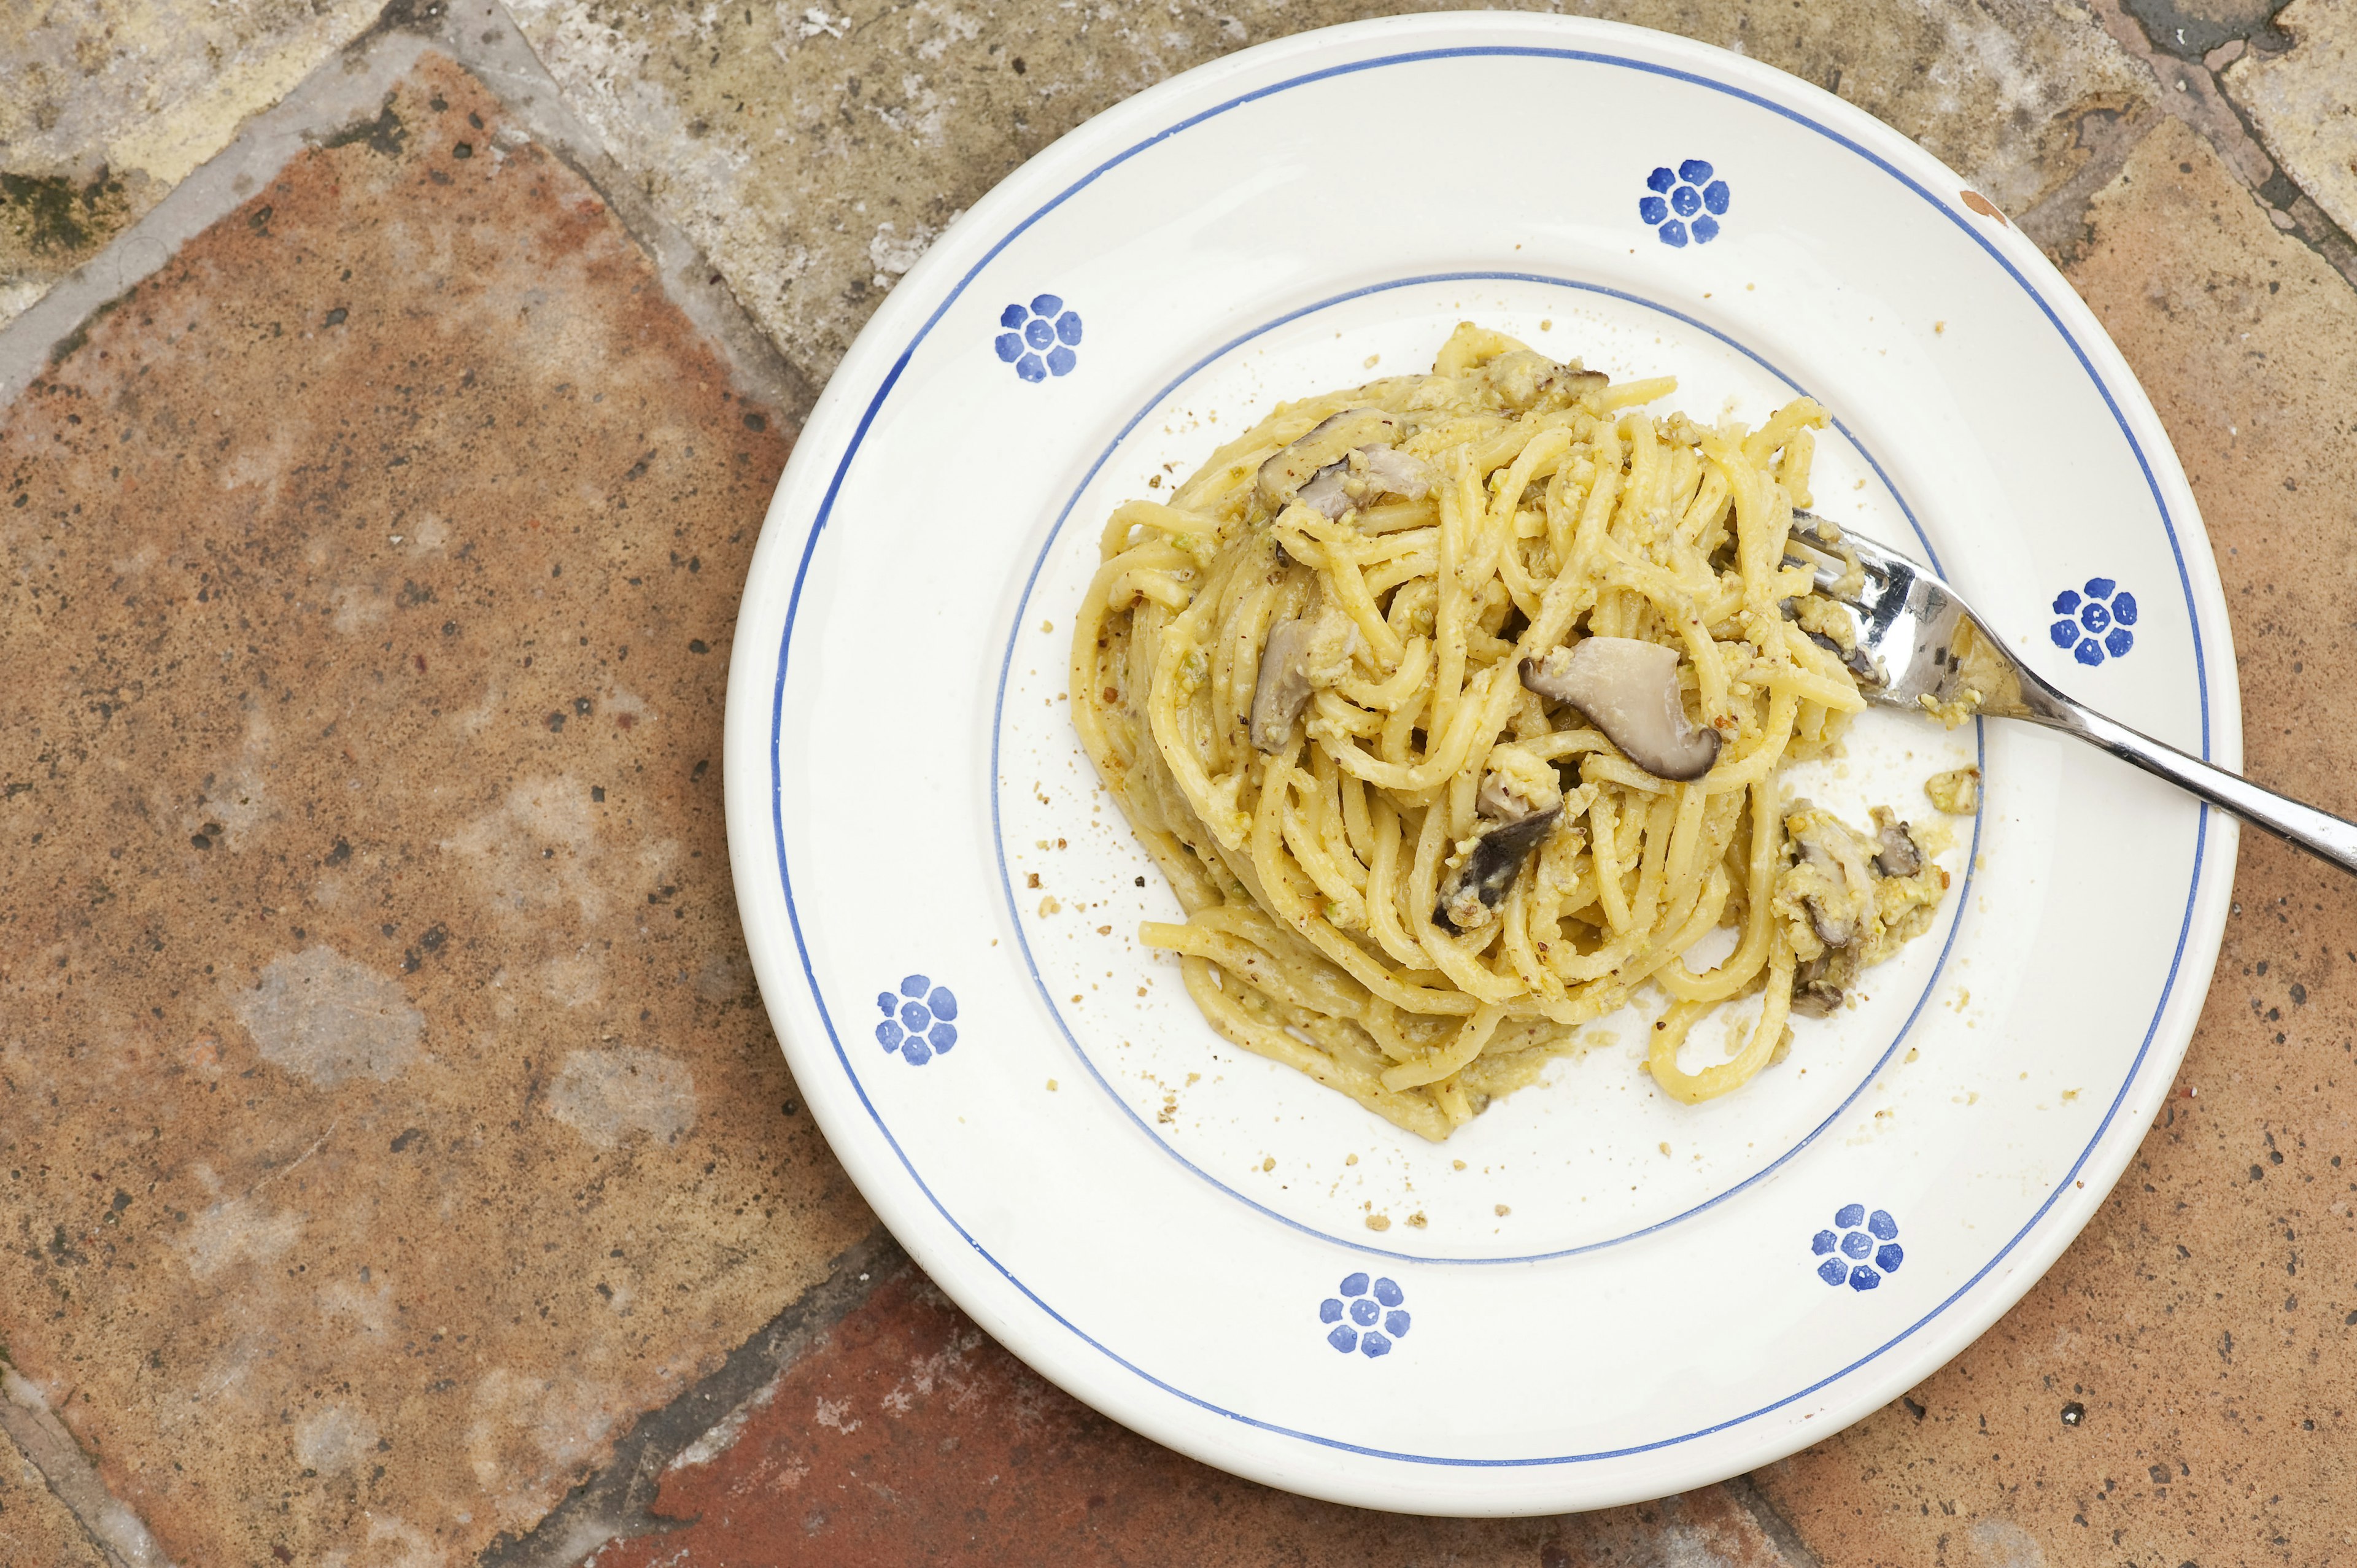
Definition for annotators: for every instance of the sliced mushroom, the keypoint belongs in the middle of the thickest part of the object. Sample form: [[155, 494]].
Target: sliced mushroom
[[1813, 995], [1360, 476], [1301, 655], [1326, 491], [1629, 688], [1482, 879], [1834, 924], [1328, 441], [1899, 856], [1848, 899], [1388, 471], [1283, 689], [1840, 898]]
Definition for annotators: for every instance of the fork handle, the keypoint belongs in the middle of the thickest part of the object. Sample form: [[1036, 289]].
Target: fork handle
[[2318, 832]]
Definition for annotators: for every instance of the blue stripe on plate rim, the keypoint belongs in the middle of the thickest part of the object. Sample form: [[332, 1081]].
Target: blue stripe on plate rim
[[891, 378]]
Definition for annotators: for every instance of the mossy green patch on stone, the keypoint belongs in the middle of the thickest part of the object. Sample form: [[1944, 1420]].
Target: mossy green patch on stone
[[57, 221], [141, 93]]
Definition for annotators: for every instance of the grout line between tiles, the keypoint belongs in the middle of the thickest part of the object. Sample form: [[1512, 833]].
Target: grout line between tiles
[[119, 1535], [2192, 91], [2063, 224], [1780, 1531], [348, 87], [483, 37], [479, 35], [702, 1422]]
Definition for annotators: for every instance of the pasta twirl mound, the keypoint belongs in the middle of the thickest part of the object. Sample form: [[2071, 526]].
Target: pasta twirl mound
[[1453, 708]]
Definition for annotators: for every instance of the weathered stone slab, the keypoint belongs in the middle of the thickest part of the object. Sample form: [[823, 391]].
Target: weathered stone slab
[[2304, 102], [814, 152]]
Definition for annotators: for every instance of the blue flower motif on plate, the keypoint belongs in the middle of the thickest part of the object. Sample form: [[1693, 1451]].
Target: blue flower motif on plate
[[1039, 339], [1368, 1316], [920, 1020], [2095, 622], [1860, 1249], [1684, 204]]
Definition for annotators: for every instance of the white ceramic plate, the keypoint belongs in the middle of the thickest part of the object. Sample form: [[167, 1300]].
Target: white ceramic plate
[[1617, 1296]]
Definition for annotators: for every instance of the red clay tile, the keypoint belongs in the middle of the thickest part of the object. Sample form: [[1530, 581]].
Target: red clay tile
[[389, 1115], [906, 1435]]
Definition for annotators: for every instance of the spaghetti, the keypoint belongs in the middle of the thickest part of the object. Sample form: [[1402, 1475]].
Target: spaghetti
[[1453, 707]]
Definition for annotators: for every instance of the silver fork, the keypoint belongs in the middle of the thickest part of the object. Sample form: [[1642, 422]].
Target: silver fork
[[1918, 643]]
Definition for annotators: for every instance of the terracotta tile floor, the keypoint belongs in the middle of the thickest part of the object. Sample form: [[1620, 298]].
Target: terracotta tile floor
[[906, 1435], [398, 1166], [408, 1121]]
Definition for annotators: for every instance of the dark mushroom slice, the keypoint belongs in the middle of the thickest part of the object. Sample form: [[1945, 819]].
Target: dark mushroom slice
[[1330, 441], [1834, 928], [1483, 879], [1326, 492], [1629, 688], [1837, 881], [1361, 475], [1814, 995], [1834, 932], [1282, 689], [1898, 854], [1841, 856], [1312, 649]]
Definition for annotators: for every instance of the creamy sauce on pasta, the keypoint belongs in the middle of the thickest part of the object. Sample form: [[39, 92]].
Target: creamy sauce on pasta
[[1307, 678]]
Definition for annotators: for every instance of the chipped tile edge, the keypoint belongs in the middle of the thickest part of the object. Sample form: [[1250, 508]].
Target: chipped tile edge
[[113, 1527], [480, 36], [2195, 93], [2063, 224], [612, 1505]]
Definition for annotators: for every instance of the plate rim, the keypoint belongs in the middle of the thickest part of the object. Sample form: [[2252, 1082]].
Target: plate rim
[[876, 361]]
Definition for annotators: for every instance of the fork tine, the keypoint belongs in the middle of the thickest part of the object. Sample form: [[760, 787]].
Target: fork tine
[[1884, 569], [1871, 554], [1824, 565], [1824, 578]]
